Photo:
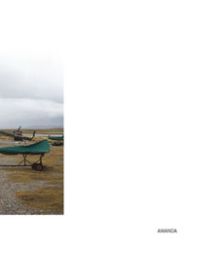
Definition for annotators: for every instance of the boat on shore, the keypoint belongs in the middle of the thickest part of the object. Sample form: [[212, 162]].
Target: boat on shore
[[56, 137]]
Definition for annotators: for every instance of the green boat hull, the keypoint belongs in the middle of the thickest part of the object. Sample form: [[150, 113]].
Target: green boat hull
[[41, 147], [56, 138]]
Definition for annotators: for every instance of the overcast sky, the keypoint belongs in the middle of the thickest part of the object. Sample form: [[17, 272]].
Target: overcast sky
[[31, 92]]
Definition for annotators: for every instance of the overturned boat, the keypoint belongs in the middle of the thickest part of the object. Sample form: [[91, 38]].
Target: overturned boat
[[38, 148]]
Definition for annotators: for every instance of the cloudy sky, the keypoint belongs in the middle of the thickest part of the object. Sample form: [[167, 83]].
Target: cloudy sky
[[31, 92]]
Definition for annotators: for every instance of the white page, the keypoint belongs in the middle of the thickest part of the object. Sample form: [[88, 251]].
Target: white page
[[142, 141], [145, 139]]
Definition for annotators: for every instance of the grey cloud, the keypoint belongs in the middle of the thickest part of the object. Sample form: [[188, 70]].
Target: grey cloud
[[30, 113], [31, 94], [35, 84]]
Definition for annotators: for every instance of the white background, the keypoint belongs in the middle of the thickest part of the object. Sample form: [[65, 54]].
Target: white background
[[141, 141]]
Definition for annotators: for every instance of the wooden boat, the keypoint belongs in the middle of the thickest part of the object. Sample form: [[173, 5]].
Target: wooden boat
[[56, 137], [57, 140], [17, 135], [38, 148], [41, 147]]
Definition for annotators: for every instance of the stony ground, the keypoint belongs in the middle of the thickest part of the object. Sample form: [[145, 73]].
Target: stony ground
[[21, 179], [9, 204]]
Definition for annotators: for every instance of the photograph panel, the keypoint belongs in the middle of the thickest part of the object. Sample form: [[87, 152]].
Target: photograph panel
[[31, 134]]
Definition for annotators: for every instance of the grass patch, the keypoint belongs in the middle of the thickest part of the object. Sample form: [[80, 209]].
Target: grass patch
[[48, 200]]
